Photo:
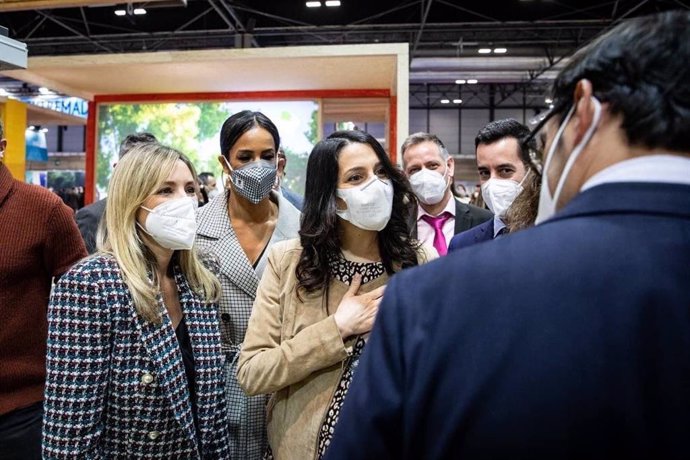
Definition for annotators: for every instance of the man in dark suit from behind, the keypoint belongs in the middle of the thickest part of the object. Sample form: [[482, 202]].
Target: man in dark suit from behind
[[89, 216], [439, 215], [503, 167], [570, 339]]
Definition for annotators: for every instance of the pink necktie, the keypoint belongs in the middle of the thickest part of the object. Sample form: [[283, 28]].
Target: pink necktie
[[437, 224]]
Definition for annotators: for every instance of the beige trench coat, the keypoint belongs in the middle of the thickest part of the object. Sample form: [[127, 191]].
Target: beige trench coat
[[293, 349]]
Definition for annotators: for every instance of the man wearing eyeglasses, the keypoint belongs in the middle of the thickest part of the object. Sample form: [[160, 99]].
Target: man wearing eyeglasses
[[570, 339]]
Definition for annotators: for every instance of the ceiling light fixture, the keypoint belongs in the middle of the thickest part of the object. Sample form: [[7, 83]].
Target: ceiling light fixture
[[139, 11], [120, 12], [460, 82], [445, 101], [313, 4], [44, 90], [484, 50], [500, 50], [472, 81], [548, 100], [332, 2], [457, 101]]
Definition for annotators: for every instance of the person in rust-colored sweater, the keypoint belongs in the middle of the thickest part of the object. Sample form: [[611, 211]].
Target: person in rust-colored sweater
[[39, 240]]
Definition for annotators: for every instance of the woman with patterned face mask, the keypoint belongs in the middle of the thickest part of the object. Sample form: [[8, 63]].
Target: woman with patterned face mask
[[134, 364], [238, 230], [320, 294]]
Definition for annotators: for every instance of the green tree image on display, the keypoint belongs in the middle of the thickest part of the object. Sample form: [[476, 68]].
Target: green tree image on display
[[296, 169], [185, 127], [194, 129]]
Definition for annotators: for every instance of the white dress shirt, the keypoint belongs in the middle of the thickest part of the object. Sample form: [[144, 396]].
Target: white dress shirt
[[425, 232]]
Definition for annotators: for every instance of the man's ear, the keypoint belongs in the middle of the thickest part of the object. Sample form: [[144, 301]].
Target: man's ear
[[450, 164], [584, 109]]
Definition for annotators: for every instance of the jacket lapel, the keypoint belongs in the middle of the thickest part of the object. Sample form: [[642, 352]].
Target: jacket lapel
[[202, 323], [481, 234], [236, 266], [462, 217], [232, 260], [161, 344]]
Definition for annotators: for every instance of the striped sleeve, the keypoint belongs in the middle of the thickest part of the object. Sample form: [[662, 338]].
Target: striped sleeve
[[77, 365]]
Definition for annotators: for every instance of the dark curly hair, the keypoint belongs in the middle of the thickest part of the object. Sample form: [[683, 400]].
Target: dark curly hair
[[319, 229], [640, 69]]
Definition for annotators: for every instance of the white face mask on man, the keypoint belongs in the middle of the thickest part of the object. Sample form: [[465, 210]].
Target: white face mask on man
[[547, 202], [429, 186], [369, 207], [172, 224], [499, 194]]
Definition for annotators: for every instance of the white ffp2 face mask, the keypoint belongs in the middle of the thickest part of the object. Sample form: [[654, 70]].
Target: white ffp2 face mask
[[369, 207], [429, 186], [172, 224], [547, 202], [499, 194]]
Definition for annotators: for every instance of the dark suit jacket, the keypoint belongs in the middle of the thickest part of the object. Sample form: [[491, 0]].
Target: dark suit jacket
[[567, 340], [88, 219], [478, 234], [466, 217]]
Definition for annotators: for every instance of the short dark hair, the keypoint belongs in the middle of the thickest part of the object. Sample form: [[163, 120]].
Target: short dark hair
[[133, 139], [203, 177], [319, 227], [508, 127], [240, 123], [640, 68]]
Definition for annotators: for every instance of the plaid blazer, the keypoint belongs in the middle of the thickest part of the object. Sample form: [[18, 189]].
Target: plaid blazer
[[116, 385], [216, 240]]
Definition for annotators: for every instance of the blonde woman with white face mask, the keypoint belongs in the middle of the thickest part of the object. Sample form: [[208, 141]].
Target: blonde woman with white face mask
[[134, 354], [319, 296], [239, 228]]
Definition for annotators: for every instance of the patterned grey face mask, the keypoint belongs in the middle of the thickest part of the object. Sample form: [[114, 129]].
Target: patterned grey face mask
[[254, 181]]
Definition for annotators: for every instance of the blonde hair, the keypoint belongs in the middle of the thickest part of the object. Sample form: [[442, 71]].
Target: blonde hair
[[137, 176]]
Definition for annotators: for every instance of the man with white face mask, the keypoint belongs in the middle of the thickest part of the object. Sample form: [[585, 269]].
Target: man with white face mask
[[439, 216], [570, 339], [502, 171]]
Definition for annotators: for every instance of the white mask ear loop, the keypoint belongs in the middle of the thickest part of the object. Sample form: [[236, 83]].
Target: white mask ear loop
[[578, 148], [552, 149], [524, 178]]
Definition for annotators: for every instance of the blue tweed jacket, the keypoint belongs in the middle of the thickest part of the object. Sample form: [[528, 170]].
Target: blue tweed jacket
[[116, 385]]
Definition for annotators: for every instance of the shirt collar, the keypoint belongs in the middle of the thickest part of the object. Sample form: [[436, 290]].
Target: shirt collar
[[450, 208], [658, 168], [498, 225]]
